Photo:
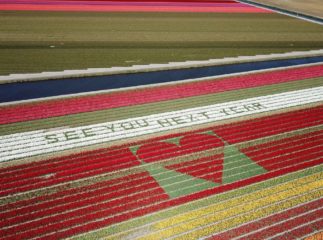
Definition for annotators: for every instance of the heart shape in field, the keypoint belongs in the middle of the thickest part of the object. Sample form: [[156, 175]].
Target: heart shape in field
[[209, 168]]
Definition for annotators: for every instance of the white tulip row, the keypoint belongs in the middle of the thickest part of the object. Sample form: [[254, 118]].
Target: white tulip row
[[38, 142]]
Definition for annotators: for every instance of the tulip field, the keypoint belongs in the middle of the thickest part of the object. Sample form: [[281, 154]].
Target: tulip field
[[227, 156], [90, 34]]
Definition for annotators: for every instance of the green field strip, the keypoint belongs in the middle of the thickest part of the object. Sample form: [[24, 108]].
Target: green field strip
[[126, 228], [165, 45], [88, 118], [177, 184], [37, 60], [243, 165], [89, 40]]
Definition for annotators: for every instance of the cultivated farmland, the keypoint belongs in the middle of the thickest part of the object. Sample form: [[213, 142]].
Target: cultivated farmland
[[52, 41], [220, 149]]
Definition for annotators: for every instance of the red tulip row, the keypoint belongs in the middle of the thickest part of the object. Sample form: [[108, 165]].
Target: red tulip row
[[131, 6]]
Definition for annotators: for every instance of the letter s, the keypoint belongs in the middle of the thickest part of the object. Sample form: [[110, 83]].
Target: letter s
[[52, 139]]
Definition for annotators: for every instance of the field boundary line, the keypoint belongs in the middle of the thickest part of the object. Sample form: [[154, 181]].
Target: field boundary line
[[280, 10]]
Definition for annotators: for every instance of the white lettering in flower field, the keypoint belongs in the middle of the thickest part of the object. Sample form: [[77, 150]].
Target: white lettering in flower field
[[33, 143]]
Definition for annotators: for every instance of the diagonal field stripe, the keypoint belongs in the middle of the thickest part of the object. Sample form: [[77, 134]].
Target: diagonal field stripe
[[202, 222], [227, 7], [288, 227], [236, 201], [317, 236], [254, 214], [157, 94], [114, 114], [183, 184], [181, 213], [264, 223], [39, 142]]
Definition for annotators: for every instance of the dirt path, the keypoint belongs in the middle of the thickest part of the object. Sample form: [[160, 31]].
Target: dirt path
[[311, 7]]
